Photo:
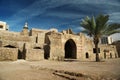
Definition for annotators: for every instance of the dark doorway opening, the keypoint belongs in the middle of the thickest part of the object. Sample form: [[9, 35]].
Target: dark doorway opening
[[47, 46], [21, 54], [115, 55], [110, 55], [70, 49], [47, 51], [104, 55], [87, 55]]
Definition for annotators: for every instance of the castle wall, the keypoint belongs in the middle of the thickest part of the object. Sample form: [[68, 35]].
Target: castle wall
[[25, 32], [34, 54], [88, 49], [56, 52], [34, 32], [75, 39], [108, 51], [13, 36], [50, 44], [8, 54], [41, 38], [58, 41]]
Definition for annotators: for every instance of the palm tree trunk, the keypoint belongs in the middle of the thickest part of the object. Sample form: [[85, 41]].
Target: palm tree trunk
[[97, 53], [96, 41]]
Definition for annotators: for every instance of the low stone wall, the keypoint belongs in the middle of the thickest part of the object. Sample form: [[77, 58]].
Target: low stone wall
[[8, 54], [34, 54]]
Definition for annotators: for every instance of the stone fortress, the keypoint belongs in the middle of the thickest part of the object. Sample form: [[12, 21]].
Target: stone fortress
[[37, 44]]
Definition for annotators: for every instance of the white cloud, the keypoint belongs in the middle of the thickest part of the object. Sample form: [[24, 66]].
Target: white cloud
[[41, 7]]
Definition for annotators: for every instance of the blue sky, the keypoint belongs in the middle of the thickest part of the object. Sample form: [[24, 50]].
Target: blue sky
[[60, 14]]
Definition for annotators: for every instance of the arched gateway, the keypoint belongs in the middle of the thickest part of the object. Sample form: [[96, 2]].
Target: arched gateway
[[70, 49]]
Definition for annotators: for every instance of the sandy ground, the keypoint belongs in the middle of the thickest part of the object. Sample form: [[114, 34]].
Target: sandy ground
[[56, 70]]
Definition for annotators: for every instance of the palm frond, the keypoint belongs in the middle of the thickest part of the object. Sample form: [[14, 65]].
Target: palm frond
[[112, 32], [101, 23], [86, 24], [114, 26], [93, 22], [98, 26]]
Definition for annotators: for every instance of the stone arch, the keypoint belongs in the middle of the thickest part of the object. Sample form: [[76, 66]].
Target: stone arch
[[9, 46], [37, 48], [70, 49], [87, 55]]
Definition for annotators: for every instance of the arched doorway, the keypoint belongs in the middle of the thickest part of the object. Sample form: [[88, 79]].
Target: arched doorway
[[110, 55], [104, 55], [87, 55], [70, 49]]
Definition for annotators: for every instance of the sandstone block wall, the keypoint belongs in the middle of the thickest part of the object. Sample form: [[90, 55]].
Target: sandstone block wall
[[53, 43], [41, 38], [56, 52], [8, 54], [34, 54], [13, 36], [34, 32]]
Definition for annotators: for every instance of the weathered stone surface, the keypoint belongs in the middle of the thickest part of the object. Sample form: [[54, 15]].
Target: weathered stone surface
[[8, 54], [54, 45], [34, 54]]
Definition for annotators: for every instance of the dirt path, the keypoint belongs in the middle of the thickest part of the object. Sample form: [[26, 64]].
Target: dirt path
[[55, 70], [21, 70]]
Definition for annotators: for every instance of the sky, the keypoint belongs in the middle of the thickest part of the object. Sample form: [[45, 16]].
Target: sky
[[59, 14]]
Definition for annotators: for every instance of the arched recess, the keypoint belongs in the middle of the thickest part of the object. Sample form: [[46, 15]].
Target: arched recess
[[110, 55], [37, 48], [70, 49], [9, 46], [87, 55]]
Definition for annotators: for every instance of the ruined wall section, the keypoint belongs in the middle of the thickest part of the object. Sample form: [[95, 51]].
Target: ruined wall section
[[81, 49], [56, 52], [82, 43], [25, 32], [38, 35], [76, 39], [88, 49], [34, 32], [34, 54], [13, 36], [34, 51], [8, 54], [108, 51], [13, 39]]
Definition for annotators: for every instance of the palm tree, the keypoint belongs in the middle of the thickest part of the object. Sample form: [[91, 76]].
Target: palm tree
[[98, 27]]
